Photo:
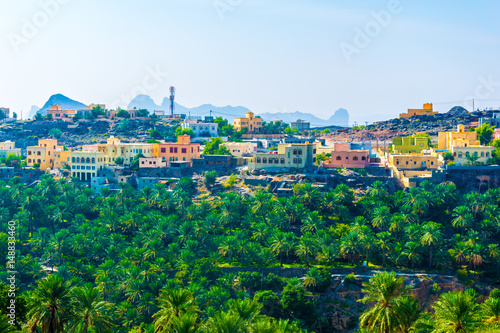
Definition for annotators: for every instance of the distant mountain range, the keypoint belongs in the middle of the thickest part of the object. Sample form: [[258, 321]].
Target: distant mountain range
[[339, 118]]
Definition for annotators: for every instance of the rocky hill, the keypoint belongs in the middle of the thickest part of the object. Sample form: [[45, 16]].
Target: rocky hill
[[385, 130]]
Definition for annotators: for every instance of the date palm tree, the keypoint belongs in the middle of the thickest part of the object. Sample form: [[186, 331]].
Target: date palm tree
[[312, 279], [432, 236], [90, 312], [306, 247], [462, 218], [173, 303], [5, 326], [278, 243], [185, 323], [49, 305], [457, 312], [391, 308], [226, 322], [490, 309]]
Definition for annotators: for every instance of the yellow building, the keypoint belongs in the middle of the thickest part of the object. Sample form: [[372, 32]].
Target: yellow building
[[289, 155], [409, 144], [413, 161], [427, 110], [481, 154], [45, 154], [85, 164], [253, 124], [460, 138], [115, 148], [58, 114]]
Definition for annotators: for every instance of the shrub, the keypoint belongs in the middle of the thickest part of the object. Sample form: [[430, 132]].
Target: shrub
[[250, 280], [350, 278], [274, 282], [270, 303], [435, 288], [462, 275]]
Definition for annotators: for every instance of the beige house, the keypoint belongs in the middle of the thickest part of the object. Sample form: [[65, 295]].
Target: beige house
[[413, 161], [45, 154], [461, 154], [115, 148], [250, 122], [240, 149], [298, 155]]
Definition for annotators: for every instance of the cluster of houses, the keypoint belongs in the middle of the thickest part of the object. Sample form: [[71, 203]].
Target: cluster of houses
[[412, 160]]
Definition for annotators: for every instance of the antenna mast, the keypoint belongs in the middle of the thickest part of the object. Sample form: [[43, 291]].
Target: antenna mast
[[172, 97]]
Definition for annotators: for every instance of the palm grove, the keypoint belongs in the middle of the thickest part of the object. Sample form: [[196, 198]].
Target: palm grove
[[159, 261]]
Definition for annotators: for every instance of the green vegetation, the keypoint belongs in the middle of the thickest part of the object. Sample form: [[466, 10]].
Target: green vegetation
[[122, 113], [184, 131], [485, 133], [55, 133], [214, 147], [119, 161], [140, 261]]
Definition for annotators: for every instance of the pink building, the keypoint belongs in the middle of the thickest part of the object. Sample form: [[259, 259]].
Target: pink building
[[343, 157], [497, 133]]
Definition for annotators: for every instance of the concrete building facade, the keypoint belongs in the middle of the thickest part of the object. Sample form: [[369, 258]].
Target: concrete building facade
[[240, 149], [342, 156], [250, 122], [301, 125], [409, 144], [201, 129], [288, 156], [182, 150], [426, 111]]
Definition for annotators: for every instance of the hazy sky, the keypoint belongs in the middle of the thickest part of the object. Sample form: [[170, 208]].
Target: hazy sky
[[374, 58]]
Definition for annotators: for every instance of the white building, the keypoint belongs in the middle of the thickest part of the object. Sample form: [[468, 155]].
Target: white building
[[240, 149], [7, 148], [201, 129]]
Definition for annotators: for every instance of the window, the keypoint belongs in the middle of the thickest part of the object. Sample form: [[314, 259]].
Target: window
[[264, 160], [300, 151], [467, 154], [295, 151], [78, 160], [487, 154], [355, 158], [299, 160], [73, 160], [184, 150], [175, 150], [171, 149], [258, 159], [363, 158], [93, 159], [397, 162], [270, 161], [164, 150], [29, 160], [482, 154], [338, 158]]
